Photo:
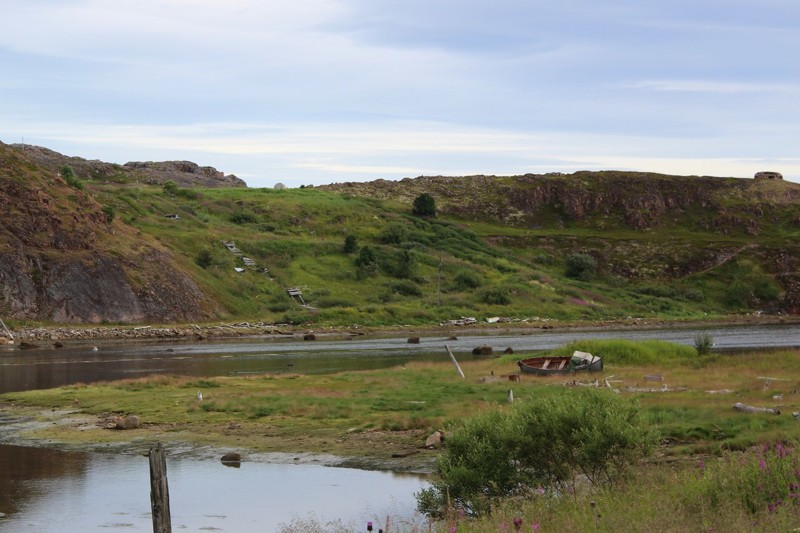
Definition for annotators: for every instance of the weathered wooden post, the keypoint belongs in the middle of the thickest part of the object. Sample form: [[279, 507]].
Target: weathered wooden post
[[453, 358], [159, 490]]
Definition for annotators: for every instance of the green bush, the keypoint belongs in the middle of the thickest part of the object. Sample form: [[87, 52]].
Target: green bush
[[591, 435], [394, 233], [170, 187], [405, 288], [240, 217], [366, 262], [203, 259], [495, 296], [581, 266], [465, 280], [69, 176], [350, 244], [703, 343], [424, 205]]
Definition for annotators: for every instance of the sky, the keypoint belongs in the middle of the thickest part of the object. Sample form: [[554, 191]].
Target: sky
[[311, 92]]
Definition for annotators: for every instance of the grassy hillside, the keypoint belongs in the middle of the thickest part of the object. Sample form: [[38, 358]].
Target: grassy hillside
[[91, 247], [429, 270]]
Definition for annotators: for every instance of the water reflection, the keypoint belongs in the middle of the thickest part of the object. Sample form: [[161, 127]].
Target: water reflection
[[50, 491]]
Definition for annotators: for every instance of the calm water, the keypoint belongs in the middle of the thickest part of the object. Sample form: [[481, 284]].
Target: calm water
[[47, 367], [50, 491], [46, 490]]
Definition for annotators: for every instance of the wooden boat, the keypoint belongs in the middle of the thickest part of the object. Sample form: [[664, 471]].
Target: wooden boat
[[554, 365]]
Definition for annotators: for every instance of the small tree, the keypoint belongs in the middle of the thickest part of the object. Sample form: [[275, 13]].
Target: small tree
[[424, 205], [366, 262], [703, 342], [350, 244]]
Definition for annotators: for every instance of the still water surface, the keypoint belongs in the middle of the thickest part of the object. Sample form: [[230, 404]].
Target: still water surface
[[47, 490], [51, 491], [48, 367]]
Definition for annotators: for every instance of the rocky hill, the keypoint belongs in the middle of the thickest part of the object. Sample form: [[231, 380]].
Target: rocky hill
[[62, 258], [184, 173]]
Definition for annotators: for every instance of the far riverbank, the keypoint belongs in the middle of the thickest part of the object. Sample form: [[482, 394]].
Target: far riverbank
[[25, 335]]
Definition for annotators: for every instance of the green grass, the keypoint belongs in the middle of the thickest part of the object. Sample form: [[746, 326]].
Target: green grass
[[678, 270]]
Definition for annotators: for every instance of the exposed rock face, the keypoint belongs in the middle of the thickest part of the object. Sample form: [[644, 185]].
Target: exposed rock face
[[183, 173], [60, 261]]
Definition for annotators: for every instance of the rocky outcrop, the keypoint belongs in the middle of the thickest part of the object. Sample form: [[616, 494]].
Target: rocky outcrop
[[62, 259], [183, 173]]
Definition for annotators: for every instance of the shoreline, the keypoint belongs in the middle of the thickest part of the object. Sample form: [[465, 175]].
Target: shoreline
[[84, 332]]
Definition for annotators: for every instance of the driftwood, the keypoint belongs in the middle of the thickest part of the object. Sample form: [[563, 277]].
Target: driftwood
[[752, 409]]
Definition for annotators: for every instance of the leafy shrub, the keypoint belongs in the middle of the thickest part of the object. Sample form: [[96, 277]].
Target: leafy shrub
[[394, 233], [241, 217], [69, 176], [204, 259], [406, 288], [581, 266], [366, 262], [467, 279], [495, 296], [424, 205], [170, 187], [350, 244], [703, 342], [547, 442]]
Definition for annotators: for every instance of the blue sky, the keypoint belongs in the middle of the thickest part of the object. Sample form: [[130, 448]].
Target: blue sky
[[323, 91]]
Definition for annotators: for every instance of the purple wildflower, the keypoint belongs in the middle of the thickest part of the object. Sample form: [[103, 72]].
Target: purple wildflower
[[517, 523], [535, 526]]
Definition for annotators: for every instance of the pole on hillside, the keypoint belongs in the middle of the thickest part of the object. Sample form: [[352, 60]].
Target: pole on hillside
[[159, 490], [453, 358]]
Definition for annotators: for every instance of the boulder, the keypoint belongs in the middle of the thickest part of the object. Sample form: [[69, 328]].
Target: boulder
[[436, 440], [128, 422], [231, 457], [309, 337], [482, 350], [413, 340]]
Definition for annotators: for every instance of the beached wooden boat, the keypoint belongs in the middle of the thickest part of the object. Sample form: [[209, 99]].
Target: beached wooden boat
[[554, 365]]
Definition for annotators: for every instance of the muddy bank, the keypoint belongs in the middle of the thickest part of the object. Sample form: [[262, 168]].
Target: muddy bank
[[70, 430]]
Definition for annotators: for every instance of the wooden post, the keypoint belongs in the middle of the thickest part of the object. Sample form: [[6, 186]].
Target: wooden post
[[453, 358], [159, 490]]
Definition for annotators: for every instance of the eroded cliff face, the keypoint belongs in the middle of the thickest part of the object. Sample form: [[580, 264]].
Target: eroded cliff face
[[63, 260]]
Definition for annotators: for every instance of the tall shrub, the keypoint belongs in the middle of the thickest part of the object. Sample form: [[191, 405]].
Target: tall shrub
[[549, 442]]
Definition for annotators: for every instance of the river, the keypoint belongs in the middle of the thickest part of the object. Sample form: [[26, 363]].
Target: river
[[47, 490]]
